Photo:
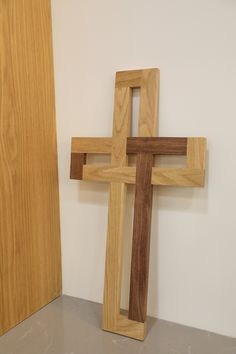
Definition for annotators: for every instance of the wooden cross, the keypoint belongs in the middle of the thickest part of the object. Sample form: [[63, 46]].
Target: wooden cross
[[144, 176]]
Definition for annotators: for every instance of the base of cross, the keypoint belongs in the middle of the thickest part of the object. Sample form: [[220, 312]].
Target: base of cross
[[126, 327], [144, 175]]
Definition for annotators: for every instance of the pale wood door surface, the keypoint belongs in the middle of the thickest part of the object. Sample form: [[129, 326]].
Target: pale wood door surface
[[30, 262]]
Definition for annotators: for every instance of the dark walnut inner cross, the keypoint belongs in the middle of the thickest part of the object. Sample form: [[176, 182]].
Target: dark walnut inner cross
[[144, 175]]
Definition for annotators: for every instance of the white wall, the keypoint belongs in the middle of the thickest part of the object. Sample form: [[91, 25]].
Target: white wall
[[193, 263]]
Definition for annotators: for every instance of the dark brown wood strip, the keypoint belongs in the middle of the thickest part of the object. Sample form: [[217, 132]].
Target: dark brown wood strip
[[157, 146], [141, 238], [76, 165]]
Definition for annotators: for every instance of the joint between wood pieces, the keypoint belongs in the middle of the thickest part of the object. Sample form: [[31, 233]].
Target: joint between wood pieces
[[78, 160]]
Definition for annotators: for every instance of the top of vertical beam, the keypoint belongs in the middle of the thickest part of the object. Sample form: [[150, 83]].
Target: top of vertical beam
[[149, 101], [148, 82]]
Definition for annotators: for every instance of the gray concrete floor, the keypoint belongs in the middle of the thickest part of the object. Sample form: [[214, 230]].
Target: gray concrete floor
[[72, 326]]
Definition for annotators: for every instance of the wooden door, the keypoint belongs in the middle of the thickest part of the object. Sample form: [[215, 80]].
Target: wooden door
[[30, 263]]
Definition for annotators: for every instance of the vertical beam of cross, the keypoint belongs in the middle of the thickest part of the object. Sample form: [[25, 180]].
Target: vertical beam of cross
[[113, 266], [143, 200], [148, 81], [145, 148], [141, 238]]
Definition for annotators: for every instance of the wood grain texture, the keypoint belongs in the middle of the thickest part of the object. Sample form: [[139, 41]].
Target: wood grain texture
[[148, 82], [129, 328], [30, 264], [119, 174], [112, 320], [157, 146], [113, 266], [179, 177], [141, 238], [91, 145], [149, 100], [125, 81], [76, 165], [109, 173], [131, 78], [196, 153], [149, 103]]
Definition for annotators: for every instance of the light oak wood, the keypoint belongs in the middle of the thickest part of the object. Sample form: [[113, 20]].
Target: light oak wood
[[30, 264], [129, 328], [148, 81], [149, 102], [91, 145], [196, 153], [131, 78], [112, 320], [109, 173], [119, 174], [179, 177]]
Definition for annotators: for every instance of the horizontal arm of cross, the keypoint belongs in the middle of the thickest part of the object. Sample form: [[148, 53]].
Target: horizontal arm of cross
[[184, 177], [190, 176]]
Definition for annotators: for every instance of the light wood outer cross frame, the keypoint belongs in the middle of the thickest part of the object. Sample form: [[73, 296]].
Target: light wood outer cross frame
[[144, 176]]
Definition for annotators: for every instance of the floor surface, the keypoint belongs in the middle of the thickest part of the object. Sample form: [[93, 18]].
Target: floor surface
[[72, 326]]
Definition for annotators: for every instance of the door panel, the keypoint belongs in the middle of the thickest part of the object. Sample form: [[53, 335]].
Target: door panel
[[30, 262]]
